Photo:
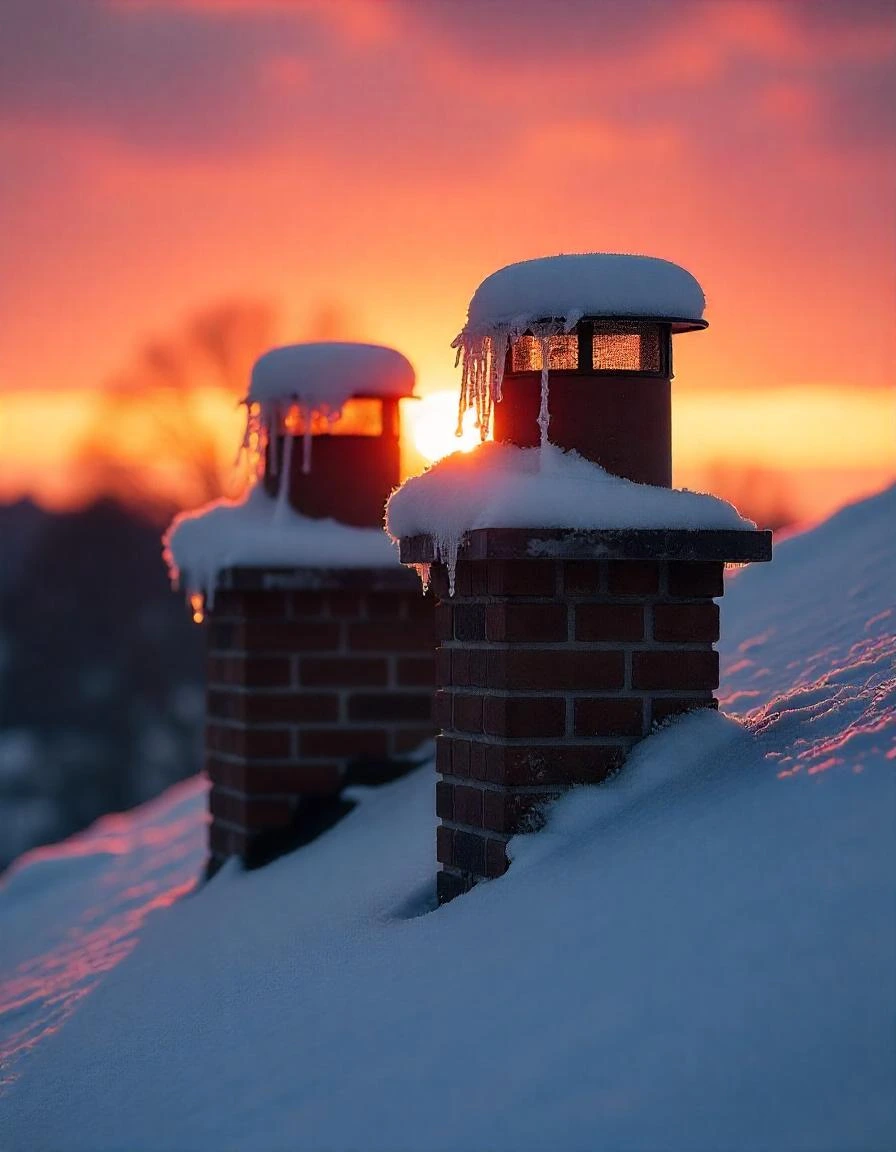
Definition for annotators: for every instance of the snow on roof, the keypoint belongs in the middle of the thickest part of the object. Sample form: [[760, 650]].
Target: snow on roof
[[729, 984], [569, 287], [326, 375], [260, 531], [503, 486], [549, 296]]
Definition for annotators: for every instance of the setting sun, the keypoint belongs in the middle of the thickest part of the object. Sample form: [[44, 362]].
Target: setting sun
[[433, 423]]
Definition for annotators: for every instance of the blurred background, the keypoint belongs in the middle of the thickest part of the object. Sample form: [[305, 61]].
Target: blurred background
[[184, 183]]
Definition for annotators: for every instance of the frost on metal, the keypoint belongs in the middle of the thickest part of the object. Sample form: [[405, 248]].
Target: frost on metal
[[547, 297]]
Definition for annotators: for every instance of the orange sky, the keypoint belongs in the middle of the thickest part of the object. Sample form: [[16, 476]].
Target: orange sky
[[375, 160]]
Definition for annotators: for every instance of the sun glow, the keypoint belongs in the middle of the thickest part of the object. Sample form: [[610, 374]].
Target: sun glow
[[433, 423]]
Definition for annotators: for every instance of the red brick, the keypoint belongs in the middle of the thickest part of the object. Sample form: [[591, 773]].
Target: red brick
[[265, 743], [444, 749], [609, 622], [386, 605], [632, 577], [228, 603], [468, 806], [294, 707], [344, 603], [386, 706], [478, 767], [443, 667], [415, 671], [250, 671], [344, 671], [468, 712], [461, 759], [444, 800], [686, 623], [240, 740], [469, 852], [582, 577], [225, 773], [664, 707], [521, 577], [469, 622], [519, 716], [521, 765], [225, 635], [251, 812], [478, 579], [695, 578], [463, 578], [443, 708], [555, 668], [410, 738], [298, 777], [609, 716], [512, 812], [682, 669], [256, 602], [443, 620], [496, 862], [262, 635], [382, 636], [306, 603], [444, 844], [349, 742], [224, 705], [532, 623]]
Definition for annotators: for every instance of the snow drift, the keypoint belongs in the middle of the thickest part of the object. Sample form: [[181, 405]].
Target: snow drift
[[696, 955]]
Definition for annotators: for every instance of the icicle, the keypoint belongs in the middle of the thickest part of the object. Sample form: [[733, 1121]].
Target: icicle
[[544, 416], [424, 572], [283, 487]]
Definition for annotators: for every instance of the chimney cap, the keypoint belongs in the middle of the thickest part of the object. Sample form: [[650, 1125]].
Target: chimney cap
[[591, 284], [327, 374]]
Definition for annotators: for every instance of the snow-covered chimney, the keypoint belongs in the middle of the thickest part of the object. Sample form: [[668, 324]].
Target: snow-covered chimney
[[320, 646], [576, 589]]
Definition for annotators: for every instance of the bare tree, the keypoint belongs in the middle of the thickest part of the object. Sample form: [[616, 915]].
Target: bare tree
[[158, 442]]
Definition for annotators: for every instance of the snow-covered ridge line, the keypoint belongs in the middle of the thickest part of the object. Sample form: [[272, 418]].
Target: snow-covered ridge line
[[549, 296], [503, 486], [259, 531]]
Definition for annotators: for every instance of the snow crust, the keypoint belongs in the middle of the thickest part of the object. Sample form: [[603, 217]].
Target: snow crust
[[503, 486], [317, 379], [549, 296], [260, 531], [696, 955]]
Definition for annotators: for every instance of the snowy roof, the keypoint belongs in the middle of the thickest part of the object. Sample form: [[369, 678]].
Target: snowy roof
[[587, 284], [729, 984], [328, 374]]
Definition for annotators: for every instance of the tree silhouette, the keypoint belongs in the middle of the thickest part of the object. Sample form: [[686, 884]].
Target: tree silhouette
[[166, 429]]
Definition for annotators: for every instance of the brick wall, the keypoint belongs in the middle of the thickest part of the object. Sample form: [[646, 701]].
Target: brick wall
[[548, 671], [308, 689]]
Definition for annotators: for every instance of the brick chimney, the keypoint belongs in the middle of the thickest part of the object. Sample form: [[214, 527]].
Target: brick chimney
[[559, 649], [320, 668]]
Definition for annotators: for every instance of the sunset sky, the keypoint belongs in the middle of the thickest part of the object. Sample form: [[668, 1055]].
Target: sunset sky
[[362, 166]]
